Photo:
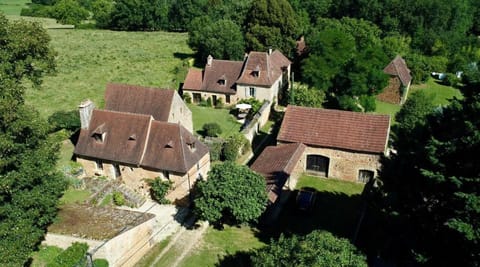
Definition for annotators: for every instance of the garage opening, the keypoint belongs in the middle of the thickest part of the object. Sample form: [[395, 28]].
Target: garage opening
[[318, 165]]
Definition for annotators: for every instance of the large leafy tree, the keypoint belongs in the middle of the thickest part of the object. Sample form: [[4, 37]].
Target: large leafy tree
[[431, 186], [69, 12], [271, 24], [29, 185], [222, 39], [346, 61], [319, 248], [139, 15], [232, 194]]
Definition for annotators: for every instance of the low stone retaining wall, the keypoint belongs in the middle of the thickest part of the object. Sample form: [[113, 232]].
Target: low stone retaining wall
[[259, 119]]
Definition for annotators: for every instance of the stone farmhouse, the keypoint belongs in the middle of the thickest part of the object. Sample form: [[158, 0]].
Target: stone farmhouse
[[339, 144], [398, 84], [261, 75], [123, 143]]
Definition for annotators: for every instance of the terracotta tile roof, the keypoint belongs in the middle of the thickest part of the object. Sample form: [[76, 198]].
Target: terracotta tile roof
[[171, 147], [398, 67], [124, 140], [335, 129], [276, 164], [139, 99], [263, 69], [139, 140], [209, 79], [193, 81]]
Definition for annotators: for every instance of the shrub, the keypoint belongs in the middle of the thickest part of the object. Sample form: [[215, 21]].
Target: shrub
[[235, 145], [36, 10], [451, 80], [118, 199], [100, 263], [219, 103], [68, 120], [159, 190], [215, 147], [212, 129], [209, 101], [187, 98], [72, 256]]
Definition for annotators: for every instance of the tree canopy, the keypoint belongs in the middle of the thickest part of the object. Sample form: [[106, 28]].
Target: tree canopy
[[231, 194], [431, 186], [319, 248], [29, 185]]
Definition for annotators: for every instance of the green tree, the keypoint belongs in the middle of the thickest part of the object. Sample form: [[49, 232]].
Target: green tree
[[69, 12], [231, 194], [431, 186], [29, 184], [182, 13], [102, 12], [139, 15], [222, 39], [271, 24], [319, 248], [302, 95]]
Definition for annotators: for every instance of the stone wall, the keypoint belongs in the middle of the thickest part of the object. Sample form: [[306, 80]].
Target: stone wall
[[258, 121], [123, 250], [136, 178], [180, 113]]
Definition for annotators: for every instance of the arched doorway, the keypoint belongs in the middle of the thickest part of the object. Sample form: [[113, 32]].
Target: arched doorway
[[318, 164]]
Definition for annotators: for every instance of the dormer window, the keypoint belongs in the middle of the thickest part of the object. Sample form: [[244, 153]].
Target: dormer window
[[222, 82], [132, 137], [256, 72], [191, 145], [100, 133], [169, 144]]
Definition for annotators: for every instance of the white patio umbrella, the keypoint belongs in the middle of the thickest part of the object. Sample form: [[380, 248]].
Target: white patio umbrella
[[243, 106]]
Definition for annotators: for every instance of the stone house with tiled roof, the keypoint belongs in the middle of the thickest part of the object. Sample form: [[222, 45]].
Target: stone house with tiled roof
[[399, 82], [126, 143], [339, 144], [262, 75]]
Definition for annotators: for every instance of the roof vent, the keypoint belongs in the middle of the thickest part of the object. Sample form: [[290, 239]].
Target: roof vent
[[169, 144]]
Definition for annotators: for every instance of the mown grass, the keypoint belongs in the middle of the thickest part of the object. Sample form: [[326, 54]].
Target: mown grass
[[88, 59], [45, 256], [202, 115], [336, 209], [12, 7], [217, 244], [72, 196], [441, 93], [330, 185], [387, 109]]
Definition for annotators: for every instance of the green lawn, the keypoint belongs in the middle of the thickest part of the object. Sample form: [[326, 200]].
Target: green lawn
[[147, 259], [387, 108], [202, 115], [217, 244], [440, 92], [88, 59], [72, 196], [12, 7], [336, 209]]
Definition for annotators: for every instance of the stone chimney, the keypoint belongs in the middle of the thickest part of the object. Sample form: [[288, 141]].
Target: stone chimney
[[209, 60], [269, 51], [85, 108]]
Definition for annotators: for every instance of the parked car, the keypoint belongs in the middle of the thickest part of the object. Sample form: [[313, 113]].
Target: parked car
[[306, 199]]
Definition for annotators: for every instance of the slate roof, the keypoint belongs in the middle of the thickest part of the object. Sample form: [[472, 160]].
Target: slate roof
[[139, 140], [139, 99], [208, 79], [335, 129], [398, 67], [276, 164], [268, 66]]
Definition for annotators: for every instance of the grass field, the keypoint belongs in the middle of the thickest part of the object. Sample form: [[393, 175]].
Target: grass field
[[12, 7], [88, 59], [217, 244], [202, 115], [330, 185], [440, 92]]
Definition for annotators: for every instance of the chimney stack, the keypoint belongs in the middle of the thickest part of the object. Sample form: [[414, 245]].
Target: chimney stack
[[85, 108], [270, 51], [209, 60]]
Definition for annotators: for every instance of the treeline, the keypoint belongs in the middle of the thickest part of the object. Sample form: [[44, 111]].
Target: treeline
[[348, 42]]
